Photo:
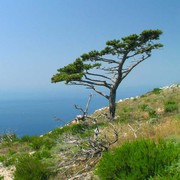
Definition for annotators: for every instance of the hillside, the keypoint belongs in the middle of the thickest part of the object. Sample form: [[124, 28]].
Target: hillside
[[73, 151]]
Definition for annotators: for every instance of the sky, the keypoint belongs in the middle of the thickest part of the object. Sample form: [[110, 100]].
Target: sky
[[39, 36]]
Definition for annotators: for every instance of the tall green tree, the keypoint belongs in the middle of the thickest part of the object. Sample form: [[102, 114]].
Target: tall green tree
[[109, 67]]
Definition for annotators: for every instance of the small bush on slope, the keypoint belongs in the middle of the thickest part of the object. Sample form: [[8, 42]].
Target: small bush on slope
[[137, 160], [171, 106], [38, 142], [30, 168]]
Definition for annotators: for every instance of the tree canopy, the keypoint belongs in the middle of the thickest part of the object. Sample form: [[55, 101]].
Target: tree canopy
[[109, 66]]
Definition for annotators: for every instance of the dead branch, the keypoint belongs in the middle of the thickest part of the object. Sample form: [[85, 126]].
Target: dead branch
[[135, 130], [91, 148]]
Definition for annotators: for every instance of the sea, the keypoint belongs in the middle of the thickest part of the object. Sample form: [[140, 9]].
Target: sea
[[37, 116]]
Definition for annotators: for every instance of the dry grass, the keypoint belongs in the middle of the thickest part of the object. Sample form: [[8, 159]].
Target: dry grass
[[152, 122], [168, 129]]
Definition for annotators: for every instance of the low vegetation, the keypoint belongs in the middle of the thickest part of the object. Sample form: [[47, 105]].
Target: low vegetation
[[30, 167], [143, 142], [140, 159]]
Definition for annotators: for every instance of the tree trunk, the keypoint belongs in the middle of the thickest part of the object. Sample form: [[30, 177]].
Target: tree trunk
[[112, 104]]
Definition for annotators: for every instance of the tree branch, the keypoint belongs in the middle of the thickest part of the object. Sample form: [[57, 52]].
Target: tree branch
[[90, 87], [128, 70], [111, 69], [100, 81], [99, 92], [109, 61], [98, 75], [85, 112]]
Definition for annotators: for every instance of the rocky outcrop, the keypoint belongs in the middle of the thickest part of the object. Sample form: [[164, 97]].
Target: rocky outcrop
[[6, 172]]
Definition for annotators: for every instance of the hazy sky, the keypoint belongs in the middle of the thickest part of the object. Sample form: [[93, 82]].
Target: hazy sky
[[39, 36]]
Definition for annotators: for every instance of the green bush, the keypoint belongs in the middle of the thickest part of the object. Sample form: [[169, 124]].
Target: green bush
[[2, 158], [157, 90], [42, 154], [127, 109], [173, 171], [74, 129], [42, 142], [58, 132], [10, 158], [124, 118], [170, 106], [26, 138], [152, 113], [143, 107], [30, 168], [137, 160], [78, 129]]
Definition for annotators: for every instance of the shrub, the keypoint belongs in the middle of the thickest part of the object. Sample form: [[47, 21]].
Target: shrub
[[43, 154], [157, 90], [173, 171], [74, 129], [2, 158], [143, 107], [137, 160], [26, 138], [30, 168], [78, 128], [59, 131], [127, 109], [124, 118], [170, 106], [10, 158], [39, 142], [152, 113]]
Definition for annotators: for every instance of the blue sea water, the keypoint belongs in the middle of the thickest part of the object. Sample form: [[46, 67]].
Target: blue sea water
[[39, 116], [36, 116]]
